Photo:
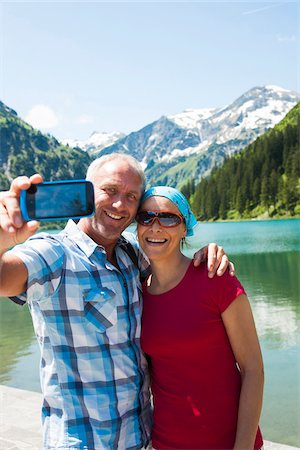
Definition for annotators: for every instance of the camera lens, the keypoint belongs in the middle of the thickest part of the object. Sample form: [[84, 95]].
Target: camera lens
[[32, 189]]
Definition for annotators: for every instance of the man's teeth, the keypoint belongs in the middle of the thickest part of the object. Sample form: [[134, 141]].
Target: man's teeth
[[113, 216]]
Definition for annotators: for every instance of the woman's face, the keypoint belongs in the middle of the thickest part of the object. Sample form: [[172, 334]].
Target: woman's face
[[159, 242]]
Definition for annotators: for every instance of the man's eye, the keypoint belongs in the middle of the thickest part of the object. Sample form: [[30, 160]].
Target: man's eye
[[111, 190], [131, 196]]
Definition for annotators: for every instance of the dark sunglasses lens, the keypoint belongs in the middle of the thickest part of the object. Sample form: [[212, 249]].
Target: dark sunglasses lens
[[166, 219], [144, 217], [169, 219]]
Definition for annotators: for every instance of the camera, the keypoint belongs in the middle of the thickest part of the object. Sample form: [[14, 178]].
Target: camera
[[58, 200]]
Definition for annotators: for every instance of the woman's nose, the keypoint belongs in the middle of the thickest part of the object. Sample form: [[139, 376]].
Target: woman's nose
[[156, 224]]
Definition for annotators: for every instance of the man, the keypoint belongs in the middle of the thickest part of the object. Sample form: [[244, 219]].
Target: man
[[83, 290]]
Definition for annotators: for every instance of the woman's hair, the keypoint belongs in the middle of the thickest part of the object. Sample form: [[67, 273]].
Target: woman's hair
[[99, 162], [185, 244]]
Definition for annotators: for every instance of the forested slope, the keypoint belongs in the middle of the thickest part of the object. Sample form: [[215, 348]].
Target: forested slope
[[262, 180], [25, 150]]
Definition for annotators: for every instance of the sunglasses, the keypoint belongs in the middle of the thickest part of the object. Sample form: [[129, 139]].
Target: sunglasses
[[166, 219]]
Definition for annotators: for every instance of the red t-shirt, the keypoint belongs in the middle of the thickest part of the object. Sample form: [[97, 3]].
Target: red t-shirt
[[195, 380]]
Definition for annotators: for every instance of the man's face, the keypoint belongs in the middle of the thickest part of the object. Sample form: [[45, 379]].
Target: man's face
[[117, 188]]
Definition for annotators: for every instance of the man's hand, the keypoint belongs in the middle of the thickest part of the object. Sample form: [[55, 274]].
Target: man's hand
[[217, 260], [13, 229]]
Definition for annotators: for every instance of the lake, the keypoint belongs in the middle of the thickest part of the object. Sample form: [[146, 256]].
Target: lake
[[266, 255]]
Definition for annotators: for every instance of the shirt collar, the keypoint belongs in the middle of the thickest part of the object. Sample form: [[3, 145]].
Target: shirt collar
[[84, 242]]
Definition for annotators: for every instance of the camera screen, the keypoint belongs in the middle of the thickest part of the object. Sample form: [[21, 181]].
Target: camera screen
[[64, 200]]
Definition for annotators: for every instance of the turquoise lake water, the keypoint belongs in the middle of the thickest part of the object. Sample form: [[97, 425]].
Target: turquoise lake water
[[266, 255]]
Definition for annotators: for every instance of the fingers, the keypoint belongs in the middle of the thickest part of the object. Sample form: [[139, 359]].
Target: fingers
[[24, 182], [10, 215], [36, 178], [217, 260], [231, 268], [13, 229], [5, 223], [222, 266], [27, 230], [213, 252], [200, 256], [10, 235], [10, 211]]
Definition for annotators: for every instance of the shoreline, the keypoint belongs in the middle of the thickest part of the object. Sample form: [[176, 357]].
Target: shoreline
[[249, 219], [20, 426], [56, 229]]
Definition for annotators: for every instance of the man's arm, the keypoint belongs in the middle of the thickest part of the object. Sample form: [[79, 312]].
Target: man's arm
[[213, 254], [13, 276], [216, 258], [13, 230]]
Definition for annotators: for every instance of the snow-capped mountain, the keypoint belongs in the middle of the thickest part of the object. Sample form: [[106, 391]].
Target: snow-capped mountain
[[96, 142], [187, 145]]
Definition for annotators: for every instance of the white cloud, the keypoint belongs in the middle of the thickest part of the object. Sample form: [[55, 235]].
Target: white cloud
[[85, 119], [286, 38], [42, 117], [260, 9]]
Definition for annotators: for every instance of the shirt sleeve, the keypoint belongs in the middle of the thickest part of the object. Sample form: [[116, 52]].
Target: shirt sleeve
[[225, 290], [43, 257]]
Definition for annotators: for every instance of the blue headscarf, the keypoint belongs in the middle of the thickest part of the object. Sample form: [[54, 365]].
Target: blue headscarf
[[179, 200]]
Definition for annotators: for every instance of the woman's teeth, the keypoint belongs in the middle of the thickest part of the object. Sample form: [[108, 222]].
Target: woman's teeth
[[156, 241]]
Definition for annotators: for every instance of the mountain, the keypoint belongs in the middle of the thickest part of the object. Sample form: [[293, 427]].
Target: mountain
[[25, 151], [262, 181], [172, 149], [188, 145], [96, 142]]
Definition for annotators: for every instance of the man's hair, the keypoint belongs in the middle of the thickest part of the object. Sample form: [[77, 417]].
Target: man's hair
[[99, 162]]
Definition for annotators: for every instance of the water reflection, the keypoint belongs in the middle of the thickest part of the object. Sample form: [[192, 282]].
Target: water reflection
[[261, 236], [266, 256], [272, 283], [277, 325], [16, 336]]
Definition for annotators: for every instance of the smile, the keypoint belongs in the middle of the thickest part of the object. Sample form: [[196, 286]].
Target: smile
[[156, 241], [113, 216]]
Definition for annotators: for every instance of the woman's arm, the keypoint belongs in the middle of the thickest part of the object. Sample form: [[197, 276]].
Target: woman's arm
[[240, 327]]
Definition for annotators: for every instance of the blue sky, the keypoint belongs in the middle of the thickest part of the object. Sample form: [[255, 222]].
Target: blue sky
[[71, 68]]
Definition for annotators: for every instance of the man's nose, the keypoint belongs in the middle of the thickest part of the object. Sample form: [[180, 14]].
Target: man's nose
[[118, 201]]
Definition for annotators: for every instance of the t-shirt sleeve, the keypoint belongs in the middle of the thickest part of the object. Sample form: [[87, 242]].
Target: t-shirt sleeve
[[225, 290], [43, 257]]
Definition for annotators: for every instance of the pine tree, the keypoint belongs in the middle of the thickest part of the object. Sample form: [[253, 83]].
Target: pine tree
[[266, 173]]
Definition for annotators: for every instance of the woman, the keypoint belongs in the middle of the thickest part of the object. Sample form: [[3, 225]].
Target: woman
[[199, 334]]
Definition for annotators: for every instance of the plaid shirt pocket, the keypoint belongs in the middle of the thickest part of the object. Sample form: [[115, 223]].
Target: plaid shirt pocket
[[99, 308]]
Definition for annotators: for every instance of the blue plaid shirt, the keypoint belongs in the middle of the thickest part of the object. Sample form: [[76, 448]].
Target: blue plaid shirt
[[86, 315]]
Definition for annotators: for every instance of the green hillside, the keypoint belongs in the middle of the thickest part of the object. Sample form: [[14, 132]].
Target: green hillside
[[24, 151], [262, 181]]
